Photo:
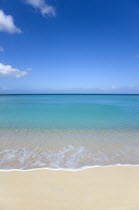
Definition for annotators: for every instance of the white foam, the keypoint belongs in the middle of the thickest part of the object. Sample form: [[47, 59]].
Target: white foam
[[26, 150], [70, 169]]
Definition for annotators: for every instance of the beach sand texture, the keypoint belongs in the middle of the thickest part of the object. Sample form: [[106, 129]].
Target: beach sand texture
[[102, 188]]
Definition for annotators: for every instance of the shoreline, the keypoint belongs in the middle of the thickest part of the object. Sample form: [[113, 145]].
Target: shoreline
[[70, 169], [67, 150], [107, 188]]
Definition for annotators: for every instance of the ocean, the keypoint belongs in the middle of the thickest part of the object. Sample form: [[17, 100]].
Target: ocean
[[68, 131]]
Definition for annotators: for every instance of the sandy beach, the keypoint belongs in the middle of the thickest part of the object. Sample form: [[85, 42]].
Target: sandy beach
[[102, 188]]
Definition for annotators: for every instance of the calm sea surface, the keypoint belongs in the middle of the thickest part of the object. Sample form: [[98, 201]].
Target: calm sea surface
[[68, 131]]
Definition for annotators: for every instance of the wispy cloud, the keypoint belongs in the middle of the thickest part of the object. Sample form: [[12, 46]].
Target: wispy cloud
[[28, 69], [100, 90], [9, 71], [7, 23], [4, 88], [1, 49], [44, 8]]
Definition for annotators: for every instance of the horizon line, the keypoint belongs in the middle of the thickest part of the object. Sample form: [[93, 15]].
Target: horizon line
[[69, 93]]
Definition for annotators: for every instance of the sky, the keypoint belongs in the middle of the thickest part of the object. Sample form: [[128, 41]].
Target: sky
[[68, 46]]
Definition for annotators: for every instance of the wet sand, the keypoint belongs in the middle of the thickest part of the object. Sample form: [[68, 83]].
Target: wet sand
[[102, 188]]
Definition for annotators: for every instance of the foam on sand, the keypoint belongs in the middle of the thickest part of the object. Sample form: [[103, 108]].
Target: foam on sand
[[100, 188]]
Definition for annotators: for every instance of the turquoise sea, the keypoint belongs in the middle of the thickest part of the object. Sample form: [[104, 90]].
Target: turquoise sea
[[68, 131]]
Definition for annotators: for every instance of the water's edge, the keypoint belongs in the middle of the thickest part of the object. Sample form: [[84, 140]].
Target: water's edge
[[69, 169]]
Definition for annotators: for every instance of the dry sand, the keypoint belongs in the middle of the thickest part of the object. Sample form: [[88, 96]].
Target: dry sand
[[103, 188]]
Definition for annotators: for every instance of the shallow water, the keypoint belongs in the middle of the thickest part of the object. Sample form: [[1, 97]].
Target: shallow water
[[26, 149], [68, 131]]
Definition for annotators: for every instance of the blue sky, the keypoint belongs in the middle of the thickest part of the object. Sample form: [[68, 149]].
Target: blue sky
[[68, 46]]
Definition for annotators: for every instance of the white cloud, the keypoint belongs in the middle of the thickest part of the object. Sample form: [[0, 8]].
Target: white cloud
[[44, 8], [9, 71], [1, 49], [7, 23]]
